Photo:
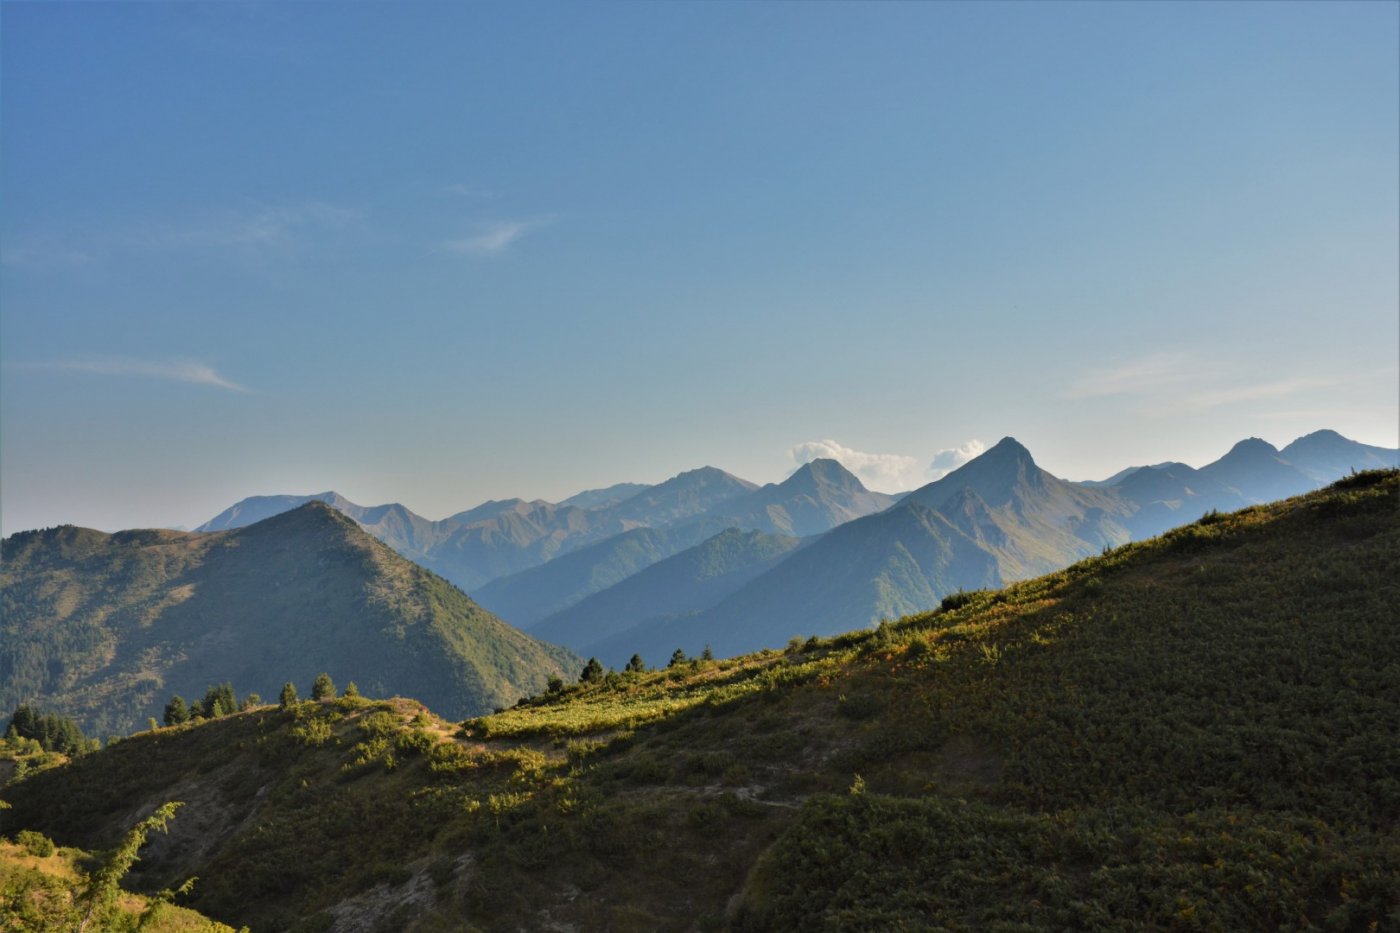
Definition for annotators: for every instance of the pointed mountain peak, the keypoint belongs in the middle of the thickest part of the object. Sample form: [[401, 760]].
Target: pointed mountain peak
[[1007, 449], [824, 471]]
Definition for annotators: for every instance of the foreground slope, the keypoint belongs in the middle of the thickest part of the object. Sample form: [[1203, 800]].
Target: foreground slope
[[107, 627], [1201, 731]]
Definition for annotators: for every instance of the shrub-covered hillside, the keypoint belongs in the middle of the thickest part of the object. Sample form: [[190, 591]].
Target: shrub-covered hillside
[[105, 628], [1200, 731]]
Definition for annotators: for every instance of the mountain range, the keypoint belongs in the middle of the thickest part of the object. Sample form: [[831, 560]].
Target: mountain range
[[1197, 731], [106, 627], [706, 558]]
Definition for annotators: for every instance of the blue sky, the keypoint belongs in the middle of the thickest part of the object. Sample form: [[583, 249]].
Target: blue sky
[[439, 253]]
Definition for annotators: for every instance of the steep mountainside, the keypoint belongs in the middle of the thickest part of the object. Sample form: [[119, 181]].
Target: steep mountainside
[[1200, 731], [531, 595], [885, 566], [684, 584], [107, 627], [816, 498]]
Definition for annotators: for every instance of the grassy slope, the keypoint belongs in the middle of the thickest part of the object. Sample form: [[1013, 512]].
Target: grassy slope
[[106, 627], [44, 893], [1201, 731]]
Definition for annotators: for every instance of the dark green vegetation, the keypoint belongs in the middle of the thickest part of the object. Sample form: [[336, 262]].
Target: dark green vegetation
[[1200, 731], [52, 733], [106, 628]]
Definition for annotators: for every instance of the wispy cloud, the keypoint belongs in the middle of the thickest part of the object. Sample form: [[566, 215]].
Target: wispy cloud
[[256, 227], [469, 191], [174, 370], [1144, 374], [40, 255], [495, 237], [1282, 388]]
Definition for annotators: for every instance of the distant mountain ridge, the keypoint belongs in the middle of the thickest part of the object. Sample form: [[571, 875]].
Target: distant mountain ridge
[[817, 497], [532, 561], [105, 627], [994, 520]]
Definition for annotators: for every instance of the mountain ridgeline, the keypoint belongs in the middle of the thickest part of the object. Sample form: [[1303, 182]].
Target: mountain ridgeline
[[106, 627], [865, 556], [1196, 731]]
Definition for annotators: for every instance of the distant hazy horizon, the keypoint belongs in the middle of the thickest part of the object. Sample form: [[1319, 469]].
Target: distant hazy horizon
[[437, 254]]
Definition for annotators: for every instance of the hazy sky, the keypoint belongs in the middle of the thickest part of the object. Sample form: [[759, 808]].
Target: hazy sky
[[439, 253]]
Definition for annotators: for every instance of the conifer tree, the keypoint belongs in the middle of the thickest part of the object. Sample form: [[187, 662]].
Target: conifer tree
[[176, 711], [591, 671], [323, 688], [677, 657], [288, 696]]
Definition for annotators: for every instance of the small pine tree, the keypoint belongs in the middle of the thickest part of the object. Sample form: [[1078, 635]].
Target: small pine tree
[[591, 671], [351, 690], [252, 700], [707, 654], [323, 688], [554, 685], [636, 665], [677, 658], [176, 711], [288, 696]]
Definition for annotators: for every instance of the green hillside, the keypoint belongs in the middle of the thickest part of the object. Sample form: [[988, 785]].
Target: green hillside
[[106, 628], [1200, 731]]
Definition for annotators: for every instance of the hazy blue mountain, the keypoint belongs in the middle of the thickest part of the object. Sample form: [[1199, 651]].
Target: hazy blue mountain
[[817, 497], [529, 596], [1172, 494], [506, 536], [256, 508], [107, 627], [1118, 477], [885, 565], [602, 498], [686, 495], [1258, 472], [682, 584], [1325, 455]]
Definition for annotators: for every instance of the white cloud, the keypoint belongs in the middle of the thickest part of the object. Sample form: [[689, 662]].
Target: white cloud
[[884, 472], [250, 226], [467, 191], [262, 226], [950, 458], [493, 237], [176, 370], [1215, 398]]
